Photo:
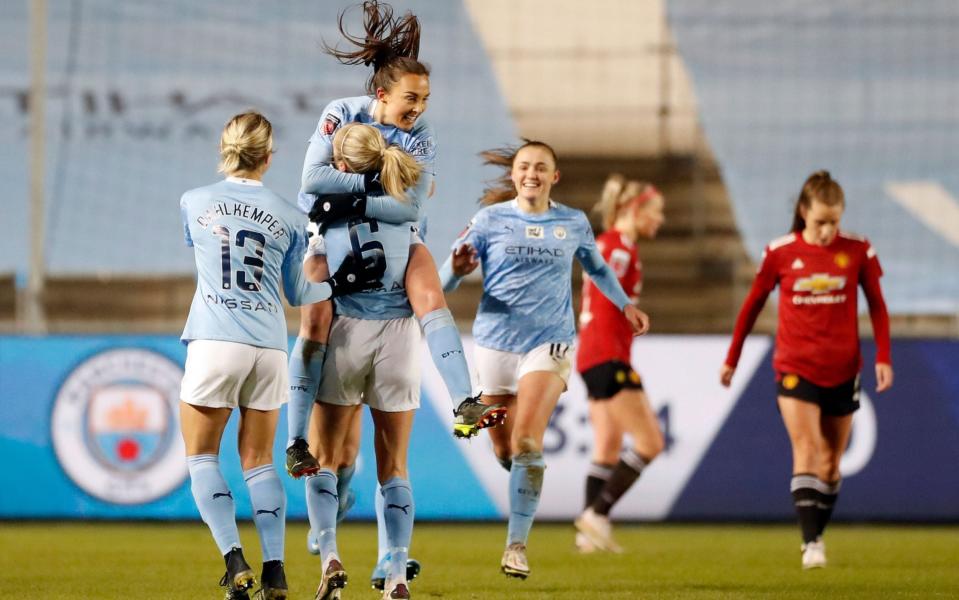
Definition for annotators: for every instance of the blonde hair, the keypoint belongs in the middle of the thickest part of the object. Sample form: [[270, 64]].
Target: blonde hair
[[246, 143], [618, 193], [362, 149]]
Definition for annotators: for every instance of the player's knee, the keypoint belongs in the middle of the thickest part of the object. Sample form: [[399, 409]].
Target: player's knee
[[427, 300], [348, 454], [527, 444], [652, 447], [829, 464]]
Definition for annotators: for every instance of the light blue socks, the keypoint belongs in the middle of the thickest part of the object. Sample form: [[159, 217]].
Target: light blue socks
[[269, 509], [398, 514], [214, 500], [446, 348], [322, 503], [306, 372], [525, 485]]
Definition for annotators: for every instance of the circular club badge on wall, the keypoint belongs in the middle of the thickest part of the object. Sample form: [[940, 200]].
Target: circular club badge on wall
[[115, 428]]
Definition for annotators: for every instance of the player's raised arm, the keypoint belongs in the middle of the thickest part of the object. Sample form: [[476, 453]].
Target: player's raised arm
[[605, 279]]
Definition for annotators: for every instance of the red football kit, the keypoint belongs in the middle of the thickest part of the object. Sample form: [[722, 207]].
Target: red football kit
[[817, 336], [605, 334]]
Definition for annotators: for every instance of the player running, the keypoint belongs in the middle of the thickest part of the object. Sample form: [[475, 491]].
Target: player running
[[817, 359], [524, 326], [398, 91], [617, 402], [246, 239]]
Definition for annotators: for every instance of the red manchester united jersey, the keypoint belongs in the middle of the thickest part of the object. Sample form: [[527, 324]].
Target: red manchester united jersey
[[818, 331], [605, 333]]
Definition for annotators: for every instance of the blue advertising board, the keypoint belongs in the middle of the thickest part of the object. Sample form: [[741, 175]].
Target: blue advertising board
[[90, 430]]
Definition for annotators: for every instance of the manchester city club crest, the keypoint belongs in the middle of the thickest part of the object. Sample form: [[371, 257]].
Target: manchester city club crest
[[115, 429]]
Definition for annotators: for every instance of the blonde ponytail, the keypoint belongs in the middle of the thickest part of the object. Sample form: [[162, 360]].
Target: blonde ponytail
[[245, 144], [619, 192], [362, 149], [399, 171]]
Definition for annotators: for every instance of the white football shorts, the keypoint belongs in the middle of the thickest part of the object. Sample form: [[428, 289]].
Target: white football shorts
[[376, 362], [222, 374], [499, 372]]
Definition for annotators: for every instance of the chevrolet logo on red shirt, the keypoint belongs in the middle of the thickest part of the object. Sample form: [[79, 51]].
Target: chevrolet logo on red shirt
[[819, 283]]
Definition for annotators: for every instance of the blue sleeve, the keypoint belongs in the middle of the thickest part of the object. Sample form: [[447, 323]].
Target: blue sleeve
[[474, 235], [599, 271], [448, 279], [319, 175], [185, 217], [297, 289], [390, 210]]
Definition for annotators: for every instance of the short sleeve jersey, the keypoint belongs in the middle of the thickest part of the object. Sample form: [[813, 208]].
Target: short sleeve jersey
[[527, 264], [605, 334], [247, 242], [818, 332]]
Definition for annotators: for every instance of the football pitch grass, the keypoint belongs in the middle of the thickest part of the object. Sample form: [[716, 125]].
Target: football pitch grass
[[179, 560]]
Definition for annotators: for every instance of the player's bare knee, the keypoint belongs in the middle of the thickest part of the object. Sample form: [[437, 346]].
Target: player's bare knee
[[427, 301], [829, 465], [653, 447], [527, 444]]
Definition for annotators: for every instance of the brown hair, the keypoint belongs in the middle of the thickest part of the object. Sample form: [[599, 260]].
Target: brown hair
[[502, 187], [618, 193], [819, 186], [362, 148], [391, 44], [246, 143]]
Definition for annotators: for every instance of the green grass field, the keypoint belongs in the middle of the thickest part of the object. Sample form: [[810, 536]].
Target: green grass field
[[54, 560]]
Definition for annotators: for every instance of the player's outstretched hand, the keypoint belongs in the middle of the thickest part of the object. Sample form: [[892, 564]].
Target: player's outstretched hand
[[883, 377], [353, 277], [638, 320], [333, 207], [726, 375], [464, 260]]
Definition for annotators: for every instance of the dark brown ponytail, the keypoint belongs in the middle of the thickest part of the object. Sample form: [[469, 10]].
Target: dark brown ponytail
[[391, 44], [819, 186]]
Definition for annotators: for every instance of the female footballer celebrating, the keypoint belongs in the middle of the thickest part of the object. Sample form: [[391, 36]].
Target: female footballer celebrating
[[524, 326], [398, 91], [246, 241], [369, 361], [817, 359]]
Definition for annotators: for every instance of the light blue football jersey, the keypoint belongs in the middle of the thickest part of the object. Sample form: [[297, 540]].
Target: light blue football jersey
[[527, 262], [377, 241], [247, 242], [320, 177]]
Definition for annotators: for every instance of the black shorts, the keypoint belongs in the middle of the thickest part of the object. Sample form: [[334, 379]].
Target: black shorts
[[607, 379], [837, 401]]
